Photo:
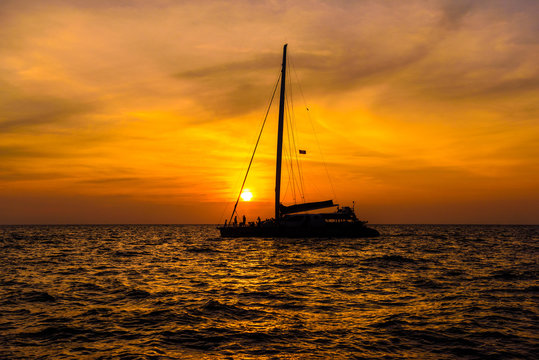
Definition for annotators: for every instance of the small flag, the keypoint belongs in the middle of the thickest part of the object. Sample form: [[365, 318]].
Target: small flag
[[303, 152]]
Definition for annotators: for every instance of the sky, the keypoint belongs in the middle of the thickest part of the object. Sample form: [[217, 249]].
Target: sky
[[148, 111]]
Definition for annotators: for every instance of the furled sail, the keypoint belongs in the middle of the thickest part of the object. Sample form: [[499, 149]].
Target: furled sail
[[306, 207]]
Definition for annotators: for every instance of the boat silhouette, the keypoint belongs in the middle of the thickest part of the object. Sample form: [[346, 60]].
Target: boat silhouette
[[294, 221]]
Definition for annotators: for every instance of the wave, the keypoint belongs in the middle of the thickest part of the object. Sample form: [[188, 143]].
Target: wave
[[181, 292]]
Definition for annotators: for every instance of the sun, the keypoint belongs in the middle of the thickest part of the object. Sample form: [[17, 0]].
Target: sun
[[246, 195]]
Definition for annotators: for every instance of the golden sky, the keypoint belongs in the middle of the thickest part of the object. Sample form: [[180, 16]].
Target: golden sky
[[146, 111]]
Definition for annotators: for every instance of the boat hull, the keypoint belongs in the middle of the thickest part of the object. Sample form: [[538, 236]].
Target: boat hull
[[335, 230]]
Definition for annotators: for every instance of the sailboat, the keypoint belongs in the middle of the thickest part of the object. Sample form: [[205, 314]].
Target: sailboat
[[294, 221]]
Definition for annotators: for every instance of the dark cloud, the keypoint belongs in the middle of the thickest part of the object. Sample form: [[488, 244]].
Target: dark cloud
[[483, 42], [9, 175], [20, 151], [349, 46], [236, 88], [233, 88], [23, 110], [453, 12], [111, 180], [501, 88], [257, 63]]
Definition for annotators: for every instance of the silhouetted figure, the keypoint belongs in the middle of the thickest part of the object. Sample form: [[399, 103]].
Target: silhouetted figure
[[258, 221], [244, 219], [235, 221], [225, 222]]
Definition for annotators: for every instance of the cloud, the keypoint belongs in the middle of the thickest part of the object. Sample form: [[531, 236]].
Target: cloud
[[20, 151], [445, 49], [453, 13], [29, 111], [233, 88], [149, 99]]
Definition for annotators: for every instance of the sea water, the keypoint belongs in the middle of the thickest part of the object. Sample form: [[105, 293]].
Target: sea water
[[171, 292]]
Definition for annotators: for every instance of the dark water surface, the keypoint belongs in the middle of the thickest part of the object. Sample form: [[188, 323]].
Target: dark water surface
[[167, 292]]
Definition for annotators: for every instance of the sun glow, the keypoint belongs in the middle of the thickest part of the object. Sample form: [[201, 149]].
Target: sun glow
[[246, 195]]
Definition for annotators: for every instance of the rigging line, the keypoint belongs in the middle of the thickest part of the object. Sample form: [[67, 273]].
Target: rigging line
[[285, 160], [291, 162], [286, 189], [323, 160], [292, 146], [300, 168], [288, 181], [291, 178], [299, 84], [299, 163], [256, 146], [301, 184], [287, 149], [293, 132], [314, 131], [290, 184], [287, 163]]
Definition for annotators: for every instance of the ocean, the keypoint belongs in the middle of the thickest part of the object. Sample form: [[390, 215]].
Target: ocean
[[181, 292]]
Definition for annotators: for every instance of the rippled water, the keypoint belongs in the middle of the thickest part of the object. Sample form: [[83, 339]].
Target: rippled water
[[167, 292]]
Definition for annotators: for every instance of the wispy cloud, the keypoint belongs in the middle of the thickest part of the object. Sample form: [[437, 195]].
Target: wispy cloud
[[139, 99], [21, 112]]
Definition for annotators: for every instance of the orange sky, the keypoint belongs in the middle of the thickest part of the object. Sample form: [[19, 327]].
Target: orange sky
[[146, 112]]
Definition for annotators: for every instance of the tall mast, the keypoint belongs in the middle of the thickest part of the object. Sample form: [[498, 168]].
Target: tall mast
[[280, 138]]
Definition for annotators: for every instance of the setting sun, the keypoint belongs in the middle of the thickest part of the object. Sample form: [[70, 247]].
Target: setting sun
[[246, 195], [148, 113]]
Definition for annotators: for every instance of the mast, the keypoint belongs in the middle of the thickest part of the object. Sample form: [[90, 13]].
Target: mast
[[280, 138]]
